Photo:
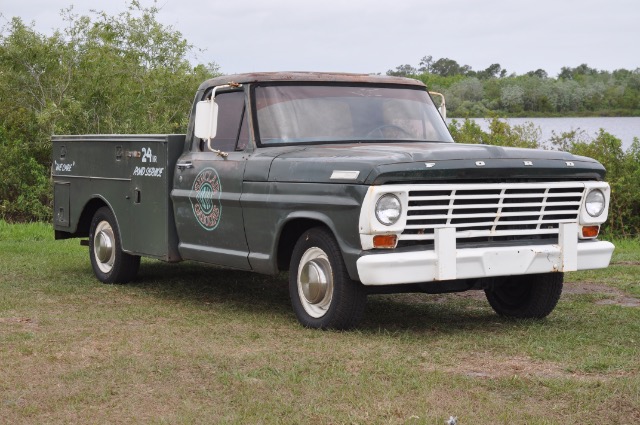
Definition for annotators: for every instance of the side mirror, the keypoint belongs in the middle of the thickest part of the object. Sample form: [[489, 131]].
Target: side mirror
[[206, 122]]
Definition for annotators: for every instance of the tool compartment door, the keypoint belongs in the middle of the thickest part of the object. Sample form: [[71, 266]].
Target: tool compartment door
[[150, 212]]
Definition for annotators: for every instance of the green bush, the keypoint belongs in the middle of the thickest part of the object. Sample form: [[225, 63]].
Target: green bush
[[25, 193], [500, 133], [125, 73]]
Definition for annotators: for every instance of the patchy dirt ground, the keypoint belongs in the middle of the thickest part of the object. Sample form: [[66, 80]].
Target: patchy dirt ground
[[489, 366], [616, 296], [485, 365], [19, 321]]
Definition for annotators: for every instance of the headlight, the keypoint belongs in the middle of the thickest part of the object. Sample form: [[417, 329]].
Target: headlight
[[595, 203], [388, 209]]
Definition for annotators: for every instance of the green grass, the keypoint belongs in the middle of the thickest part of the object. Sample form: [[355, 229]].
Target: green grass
[[189, 343]]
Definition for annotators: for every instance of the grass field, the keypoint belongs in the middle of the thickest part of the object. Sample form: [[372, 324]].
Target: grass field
[[189, 343]]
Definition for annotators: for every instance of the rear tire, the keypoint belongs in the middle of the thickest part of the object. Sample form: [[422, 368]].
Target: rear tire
[[110, 264], [322, 293], [526, 297]]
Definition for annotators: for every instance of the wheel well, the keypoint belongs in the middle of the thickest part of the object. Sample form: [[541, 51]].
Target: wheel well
[[290, 235], [84, 223]]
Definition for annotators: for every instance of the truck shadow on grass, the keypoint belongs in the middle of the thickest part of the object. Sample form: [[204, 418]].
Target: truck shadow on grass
[[202, 284], [432, 314], [210, 286]]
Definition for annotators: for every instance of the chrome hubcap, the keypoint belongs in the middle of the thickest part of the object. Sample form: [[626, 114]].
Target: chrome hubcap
[[315, 282], [103, 247]]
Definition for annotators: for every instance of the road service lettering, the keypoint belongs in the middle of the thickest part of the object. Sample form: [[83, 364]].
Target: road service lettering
[[148, 171]]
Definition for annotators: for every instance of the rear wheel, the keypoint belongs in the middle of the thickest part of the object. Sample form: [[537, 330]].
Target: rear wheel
[[110, 264], [526, 297], [322, 293]]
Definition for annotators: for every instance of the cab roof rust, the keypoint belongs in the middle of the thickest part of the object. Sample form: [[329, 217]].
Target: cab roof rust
[[330, 77]]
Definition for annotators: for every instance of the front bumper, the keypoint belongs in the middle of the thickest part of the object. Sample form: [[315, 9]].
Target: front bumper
[[446, 262]]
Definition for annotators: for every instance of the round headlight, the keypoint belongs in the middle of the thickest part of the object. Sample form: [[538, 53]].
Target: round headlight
[[388, 209], [595, 203]]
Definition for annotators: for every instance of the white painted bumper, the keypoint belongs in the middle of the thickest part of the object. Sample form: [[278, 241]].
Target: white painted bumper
[[427, 266]]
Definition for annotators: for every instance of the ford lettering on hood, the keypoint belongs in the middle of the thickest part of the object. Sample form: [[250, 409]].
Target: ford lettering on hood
[[383, 163]]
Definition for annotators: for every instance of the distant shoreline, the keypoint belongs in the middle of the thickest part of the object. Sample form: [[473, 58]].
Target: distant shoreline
[[623, 128]]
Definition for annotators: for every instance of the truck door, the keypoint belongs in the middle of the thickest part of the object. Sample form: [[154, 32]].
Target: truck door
[[207, 189]]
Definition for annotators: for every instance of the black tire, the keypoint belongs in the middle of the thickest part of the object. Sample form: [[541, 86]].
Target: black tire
[[526, 297], [110, 264], [322, 293]]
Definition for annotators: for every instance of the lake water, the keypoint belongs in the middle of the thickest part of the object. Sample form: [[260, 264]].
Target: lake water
[[624, 128]]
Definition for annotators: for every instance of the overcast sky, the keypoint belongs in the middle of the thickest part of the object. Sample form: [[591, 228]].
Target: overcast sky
[[374, 36]]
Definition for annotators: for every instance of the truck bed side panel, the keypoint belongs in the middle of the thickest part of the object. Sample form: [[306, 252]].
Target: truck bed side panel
[[132, 174]]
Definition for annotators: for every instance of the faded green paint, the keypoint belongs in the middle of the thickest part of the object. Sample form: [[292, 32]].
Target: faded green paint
[[224, 243], [128, 173], [171, 214]]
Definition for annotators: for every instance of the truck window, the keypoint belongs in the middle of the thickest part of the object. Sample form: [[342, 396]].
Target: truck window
[[230, 113], [295, 114], [243, 137]]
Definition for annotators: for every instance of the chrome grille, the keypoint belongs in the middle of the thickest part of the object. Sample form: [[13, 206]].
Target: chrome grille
[[492, 210]]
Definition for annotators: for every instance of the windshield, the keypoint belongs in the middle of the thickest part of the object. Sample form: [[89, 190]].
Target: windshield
[[319, 114]]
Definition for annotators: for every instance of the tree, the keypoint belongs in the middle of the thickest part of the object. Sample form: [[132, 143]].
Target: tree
[[512, 98], [126, 73], [102, 73], [468, 89], [570, 95], [403, 71], [492, 71], [568, 73], [425, 64], [540, 73], [448, 67], [37, 73]]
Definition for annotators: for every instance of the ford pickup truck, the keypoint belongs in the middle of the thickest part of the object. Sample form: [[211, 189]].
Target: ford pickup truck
[[351, 183]]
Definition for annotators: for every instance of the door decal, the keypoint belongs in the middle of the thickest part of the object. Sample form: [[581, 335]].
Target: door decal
[[205, 198]]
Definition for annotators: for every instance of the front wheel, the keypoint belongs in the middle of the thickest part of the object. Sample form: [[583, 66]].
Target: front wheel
[[110, 264], [322, 293], [526, 297]]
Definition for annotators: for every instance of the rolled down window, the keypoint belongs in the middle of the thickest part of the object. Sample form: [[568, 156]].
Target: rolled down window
[[230, 113]]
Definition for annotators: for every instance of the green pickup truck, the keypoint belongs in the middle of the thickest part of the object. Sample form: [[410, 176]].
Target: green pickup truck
[[350, 182]]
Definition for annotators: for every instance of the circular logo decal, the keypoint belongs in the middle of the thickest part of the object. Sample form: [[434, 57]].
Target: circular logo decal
[[206, 199]]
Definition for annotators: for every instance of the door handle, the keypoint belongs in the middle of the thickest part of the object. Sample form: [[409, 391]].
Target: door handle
[[184, 165]]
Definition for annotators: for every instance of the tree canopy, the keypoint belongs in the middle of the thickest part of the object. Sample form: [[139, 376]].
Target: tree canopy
[[126, 73], [575, 91], [100, 74]]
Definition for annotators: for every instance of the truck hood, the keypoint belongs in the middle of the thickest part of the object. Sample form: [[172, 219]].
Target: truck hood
[[427, 162]]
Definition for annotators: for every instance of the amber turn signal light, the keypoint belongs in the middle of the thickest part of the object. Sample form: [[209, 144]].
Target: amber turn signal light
[[590, 231], [385, 241]]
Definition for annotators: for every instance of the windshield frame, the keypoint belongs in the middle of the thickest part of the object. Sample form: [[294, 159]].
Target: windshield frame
[[256, 123]]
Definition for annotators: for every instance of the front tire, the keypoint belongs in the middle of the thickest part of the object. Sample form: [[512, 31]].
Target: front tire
[[110, 264], [322, 293], [526, 297]]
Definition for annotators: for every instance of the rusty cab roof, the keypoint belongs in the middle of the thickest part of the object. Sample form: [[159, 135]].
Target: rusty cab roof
[[330, 77]]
